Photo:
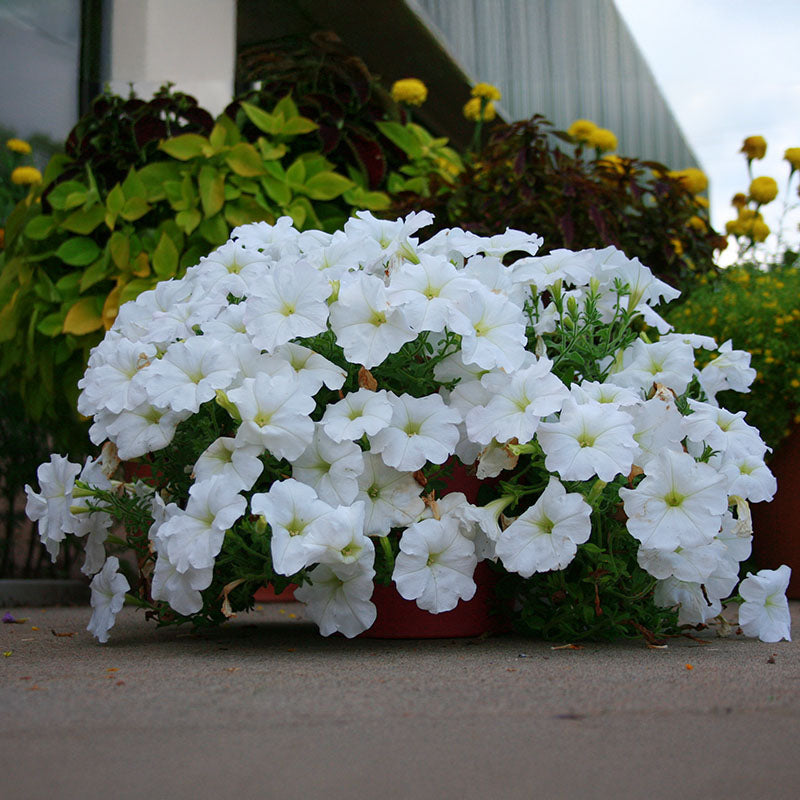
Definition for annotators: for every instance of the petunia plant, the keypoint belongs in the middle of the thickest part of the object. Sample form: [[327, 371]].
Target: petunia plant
[[297, 407]]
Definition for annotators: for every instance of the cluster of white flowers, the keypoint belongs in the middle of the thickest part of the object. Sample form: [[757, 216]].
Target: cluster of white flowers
[[236, 331]]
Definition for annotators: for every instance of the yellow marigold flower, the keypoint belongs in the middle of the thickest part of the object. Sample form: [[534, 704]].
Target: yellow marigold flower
[[486, 90], [603, 139], [23, 176], [760, 230], [693, 179], [411, 91], [697, 223], [749, 214], [754, 147], [18, 146], [613, 163], [739, 200], [580, 129], [763, 190], [792, 155], [478, 108], [701, 201], [677, 246], [734, 227]]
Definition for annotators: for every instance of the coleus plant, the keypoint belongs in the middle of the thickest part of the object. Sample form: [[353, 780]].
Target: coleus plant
[[291, 408]]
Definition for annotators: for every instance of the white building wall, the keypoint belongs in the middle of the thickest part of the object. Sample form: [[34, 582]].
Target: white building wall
[[565, 59], [191, 43]]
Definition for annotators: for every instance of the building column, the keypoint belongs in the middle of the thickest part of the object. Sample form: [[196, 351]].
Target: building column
[[190, 43]]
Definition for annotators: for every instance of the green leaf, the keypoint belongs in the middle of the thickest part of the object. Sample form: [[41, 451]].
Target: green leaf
[[165, 257], [298, 212], [296, 173], [211, 183], [44, 289], [68, 284], [134, 208], [270, 151], [58, 197], [133, 185], [119, 246], [276, 190], [133, 289], [217, 137], [39, 227], [155, 175], [372, 201], [286, 107], [85, 316], [115, 200], [95, 273], [263, 120], [52, 325], [214, 230], [85, 220], [78, 251], [187, 221], [244, 211], [298, 125], [327, 185], [244, 160], [400, 135], [185, 146]]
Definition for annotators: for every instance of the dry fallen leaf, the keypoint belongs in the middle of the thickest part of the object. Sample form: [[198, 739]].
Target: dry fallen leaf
[[55, 633], [567, 647]]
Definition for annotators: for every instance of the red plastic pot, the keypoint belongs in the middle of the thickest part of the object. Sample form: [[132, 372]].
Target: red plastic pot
[[403, 619], [776, 525]]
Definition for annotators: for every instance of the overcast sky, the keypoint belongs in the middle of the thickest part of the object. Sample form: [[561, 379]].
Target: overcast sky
[[729, 69]]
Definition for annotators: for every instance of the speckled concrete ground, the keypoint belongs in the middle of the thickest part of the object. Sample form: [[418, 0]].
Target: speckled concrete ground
[[266, 708]]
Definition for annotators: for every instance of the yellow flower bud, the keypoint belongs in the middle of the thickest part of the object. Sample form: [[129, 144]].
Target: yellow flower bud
[[739, 200], [23, 176], [486, 90], [18, 146], [693, 179], [763, 190], [603, 139], [411, 91], [754, 147], [760, 230], [580, 129], [478, 108], [701, 201], [697, 223], [792, 155], [613, 163]]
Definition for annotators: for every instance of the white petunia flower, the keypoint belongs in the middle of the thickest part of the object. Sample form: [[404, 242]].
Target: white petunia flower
[[517, 404], [765, 611], [391, 498], [341, 539], [141, 430], [51, 508], [367, 327], [435, 565], [542, 272], [274, 412], [695, 606], [729, 370], [338, 597], [679, 503], [108, 596], [332, 468], [658, 426], [422, 429], [239, 465], [108, 382], [187, 375], [546, 535], [587, 440], [292, 510], [290, 303], [670, 363], [722, 430], [497, 335], [748, 476], [193, 537], [690, 564], [357, 413], [312, 369], [180, 589]]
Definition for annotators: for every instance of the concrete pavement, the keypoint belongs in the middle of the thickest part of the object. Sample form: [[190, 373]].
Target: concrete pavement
[[266, 708]]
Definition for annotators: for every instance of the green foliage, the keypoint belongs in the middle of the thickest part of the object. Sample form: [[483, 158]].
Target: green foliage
[[758, 310], [521, 179], [76, 248]]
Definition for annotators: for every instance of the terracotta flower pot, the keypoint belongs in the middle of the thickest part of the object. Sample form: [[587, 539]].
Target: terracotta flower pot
[[266, 594], [776, 525], [403, 619]]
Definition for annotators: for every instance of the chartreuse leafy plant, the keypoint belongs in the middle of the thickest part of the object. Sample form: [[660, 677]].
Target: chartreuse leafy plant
[[757, 310], [293, 407], [75, 252]]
